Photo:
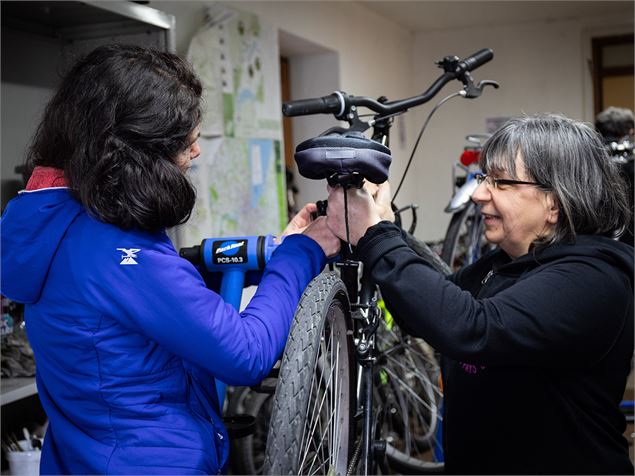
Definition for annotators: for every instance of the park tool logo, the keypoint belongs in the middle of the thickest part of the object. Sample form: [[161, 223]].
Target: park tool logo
[[230, 252]]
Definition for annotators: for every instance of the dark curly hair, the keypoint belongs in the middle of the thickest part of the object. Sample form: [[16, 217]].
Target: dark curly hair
[[117, 123]]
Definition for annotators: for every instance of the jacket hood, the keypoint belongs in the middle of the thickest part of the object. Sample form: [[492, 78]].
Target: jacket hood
[[602, 248], [31, 229]]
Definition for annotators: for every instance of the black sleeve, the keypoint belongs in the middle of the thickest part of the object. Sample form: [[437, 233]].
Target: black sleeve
[[558, 316]]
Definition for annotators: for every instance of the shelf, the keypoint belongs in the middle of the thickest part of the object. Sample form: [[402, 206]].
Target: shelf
[[89, 19], [12, 389]]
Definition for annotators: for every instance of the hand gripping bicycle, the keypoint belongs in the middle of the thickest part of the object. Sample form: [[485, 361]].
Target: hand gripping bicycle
[[352, 390]]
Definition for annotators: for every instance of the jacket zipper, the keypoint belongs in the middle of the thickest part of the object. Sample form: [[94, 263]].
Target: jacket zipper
[[487, 276]]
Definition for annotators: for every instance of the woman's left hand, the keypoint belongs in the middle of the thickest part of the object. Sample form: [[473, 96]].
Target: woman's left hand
[[301, 220]]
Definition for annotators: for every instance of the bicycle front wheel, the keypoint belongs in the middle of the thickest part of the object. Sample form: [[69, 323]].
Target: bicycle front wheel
[[311, 421]]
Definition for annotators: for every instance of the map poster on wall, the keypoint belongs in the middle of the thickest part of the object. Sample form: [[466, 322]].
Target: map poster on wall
[[239, 176]]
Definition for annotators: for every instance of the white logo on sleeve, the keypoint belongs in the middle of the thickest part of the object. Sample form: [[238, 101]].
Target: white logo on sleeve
[[129, 256]]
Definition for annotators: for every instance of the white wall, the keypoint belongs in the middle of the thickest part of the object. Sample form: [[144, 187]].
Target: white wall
[[542, 67], [369, 56], [312, 75]]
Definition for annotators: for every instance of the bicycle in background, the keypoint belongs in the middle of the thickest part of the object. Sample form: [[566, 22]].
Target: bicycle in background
[[464, 242]]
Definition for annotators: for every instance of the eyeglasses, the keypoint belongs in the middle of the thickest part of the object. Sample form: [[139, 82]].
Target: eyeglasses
[[499, 182]]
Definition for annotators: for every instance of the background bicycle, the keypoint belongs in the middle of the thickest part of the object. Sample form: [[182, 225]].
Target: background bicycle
[[464, 242]]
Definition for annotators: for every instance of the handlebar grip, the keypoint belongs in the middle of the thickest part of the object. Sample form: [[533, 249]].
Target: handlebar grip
[[478, 59], [331, 104]]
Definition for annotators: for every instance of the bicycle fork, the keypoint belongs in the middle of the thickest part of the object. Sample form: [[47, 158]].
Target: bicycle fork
[[368, 321]]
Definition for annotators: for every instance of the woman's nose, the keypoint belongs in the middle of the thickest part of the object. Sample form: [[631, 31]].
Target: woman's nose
[[196, 150], [482, 193]]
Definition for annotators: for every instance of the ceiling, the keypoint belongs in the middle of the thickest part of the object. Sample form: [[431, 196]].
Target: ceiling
[[429, 15]]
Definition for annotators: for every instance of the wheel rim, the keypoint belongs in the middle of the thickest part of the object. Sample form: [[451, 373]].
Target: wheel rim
[[324, 446]]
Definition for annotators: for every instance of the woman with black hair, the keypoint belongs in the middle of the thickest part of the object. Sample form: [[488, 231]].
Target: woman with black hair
[[128, 340], [537, 335]]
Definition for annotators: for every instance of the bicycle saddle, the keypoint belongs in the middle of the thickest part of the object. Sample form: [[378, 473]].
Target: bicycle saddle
[[343, 154]]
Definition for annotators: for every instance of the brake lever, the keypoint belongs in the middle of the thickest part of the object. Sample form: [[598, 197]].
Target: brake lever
[[488, 82]]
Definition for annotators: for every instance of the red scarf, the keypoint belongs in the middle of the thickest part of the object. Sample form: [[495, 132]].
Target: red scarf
[[46, 177]]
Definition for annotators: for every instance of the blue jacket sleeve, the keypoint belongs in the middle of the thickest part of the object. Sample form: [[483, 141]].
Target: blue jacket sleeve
[[165, 298]]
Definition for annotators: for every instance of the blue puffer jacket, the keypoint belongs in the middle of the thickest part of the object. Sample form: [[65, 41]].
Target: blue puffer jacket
[[126, 354]]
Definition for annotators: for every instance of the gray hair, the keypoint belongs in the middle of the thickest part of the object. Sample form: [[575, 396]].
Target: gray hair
[[568, 159]]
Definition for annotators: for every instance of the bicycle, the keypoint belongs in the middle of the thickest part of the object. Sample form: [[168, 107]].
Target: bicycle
[[464, 242], [323, 418]]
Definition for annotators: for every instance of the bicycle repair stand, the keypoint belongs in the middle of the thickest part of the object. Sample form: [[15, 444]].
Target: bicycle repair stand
[[232, 257]]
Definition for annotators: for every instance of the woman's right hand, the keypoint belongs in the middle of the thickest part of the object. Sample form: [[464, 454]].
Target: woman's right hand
[[324, 237], [381, 194]]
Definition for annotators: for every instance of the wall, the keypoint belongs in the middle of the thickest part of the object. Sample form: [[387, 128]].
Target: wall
[[310, 73], [542, 67], [353, 49]]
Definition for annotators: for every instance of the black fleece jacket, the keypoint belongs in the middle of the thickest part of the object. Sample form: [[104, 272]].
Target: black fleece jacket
[[536, 351]]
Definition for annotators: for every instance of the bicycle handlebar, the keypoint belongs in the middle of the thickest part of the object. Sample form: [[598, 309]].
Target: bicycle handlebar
[[331, 104], [477, 59], [339, 103]]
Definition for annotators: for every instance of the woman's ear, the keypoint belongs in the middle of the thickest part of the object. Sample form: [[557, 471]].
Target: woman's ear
[[552, 208]]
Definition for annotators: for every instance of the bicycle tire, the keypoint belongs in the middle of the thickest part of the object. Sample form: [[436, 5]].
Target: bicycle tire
[[322, 319], [462, 243]]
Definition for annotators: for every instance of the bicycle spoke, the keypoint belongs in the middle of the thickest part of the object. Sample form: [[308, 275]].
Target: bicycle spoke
[[317, 453], [315, 414], [407, 389], [326, 451], [421, 376], [311, 387]]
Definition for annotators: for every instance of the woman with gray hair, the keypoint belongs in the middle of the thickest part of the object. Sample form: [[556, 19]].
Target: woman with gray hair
[[537, 335]]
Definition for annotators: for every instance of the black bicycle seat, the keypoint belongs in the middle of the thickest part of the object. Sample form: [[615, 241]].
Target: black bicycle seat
[[343, 154]]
